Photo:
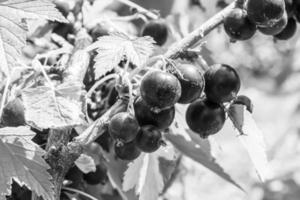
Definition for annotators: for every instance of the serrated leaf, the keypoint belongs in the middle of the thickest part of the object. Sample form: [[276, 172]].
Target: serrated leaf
[[46, 107], [251, 138], [13, 26], [85, 163], [22, 160], [153, 182], [195, 150], [116, 169], [132, 174], [144, 175], [117, 46]]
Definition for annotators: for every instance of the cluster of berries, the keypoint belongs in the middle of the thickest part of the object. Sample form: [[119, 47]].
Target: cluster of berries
[[270, 17], [154, 109]]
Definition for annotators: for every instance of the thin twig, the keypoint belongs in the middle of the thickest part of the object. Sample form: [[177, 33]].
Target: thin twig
[[139, 8]]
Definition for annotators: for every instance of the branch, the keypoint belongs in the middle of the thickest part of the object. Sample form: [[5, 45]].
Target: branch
[[176, 49]]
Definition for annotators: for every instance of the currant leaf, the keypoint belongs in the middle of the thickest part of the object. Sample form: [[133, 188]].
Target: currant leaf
[[117, 46], [251, 138], [46, 107], [13, 26], [21, 159]]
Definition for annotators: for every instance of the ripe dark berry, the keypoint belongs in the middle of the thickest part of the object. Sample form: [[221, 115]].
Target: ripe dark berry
[[127, 151], [74, 175], [205, 118], [275, 28], [123, 127], [160, 89], [192, 83], [222, 83], [289, 31], [145, 116], [13, 113], [238, 26], [244, 100], [149, 139], [99, 176], [265, 12], [157, 30]]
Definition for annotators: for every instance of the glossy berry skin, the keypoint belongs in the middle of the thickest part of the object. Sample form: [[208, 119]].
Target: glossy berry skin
[[191, 81], [158, 30], [238, 26], [265, 12], [13, 114], [275, 28], [244, 100], [160, 90], [222, 83], [289, 31], [149, 139], [145, 116], [123, 127], [128, 151], [205, 118], [97, 177]]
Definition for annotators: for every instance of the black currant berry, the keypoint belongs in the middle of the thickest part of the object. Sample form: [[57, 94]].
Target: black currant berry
[[160, 89], [74, 175], [97, 177], [149, 139], [145, 116], [205, 117], [265, 12], [289, 31], [275, 28], [123, 127], [238, 26], [222, 83], [158, 30], [191, 81], [127, 151], [13, 113], [244, 100]]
